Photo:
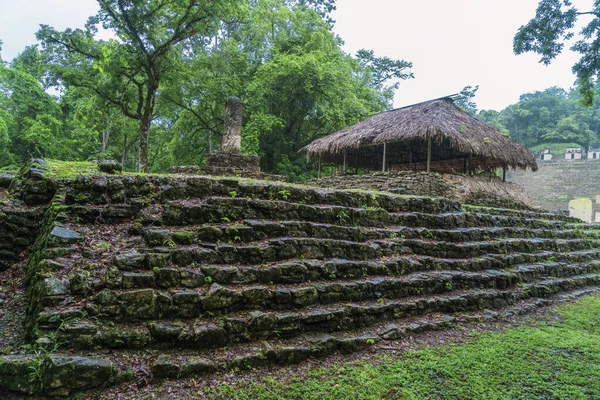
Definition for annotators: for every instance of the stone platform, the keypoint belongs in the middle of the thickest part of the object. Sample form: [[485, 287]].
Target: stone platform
[[133, 278]]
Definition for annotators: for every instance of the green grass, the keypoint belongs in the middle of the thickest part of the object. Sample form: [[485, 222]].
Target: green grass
[[70, 169], [545, 360]]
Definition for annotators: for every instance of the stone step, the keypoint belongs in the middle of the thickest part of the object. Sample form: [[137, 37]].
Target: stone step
[[455, 220], [545, 215], [137, 190], [140, 300], [282, 249], [145, 304], [534, 272], [248, 231], [214, 332], [134, 270], [551, 287], [386, 336], [215, 210]]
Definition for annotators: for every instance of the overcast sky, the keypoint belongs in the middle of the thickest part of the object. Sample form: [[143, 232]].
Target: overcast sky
[[452, 43]]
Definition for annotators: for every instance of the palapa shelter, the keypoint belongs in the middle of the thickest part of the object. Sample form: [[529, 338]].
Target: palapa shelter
[[433, 135]]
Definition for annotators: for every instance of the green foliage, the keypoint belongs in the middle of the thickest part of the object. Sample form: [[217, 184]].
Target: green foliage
[[549, 116], [153, 96], [465, 99], [128, 72], [552, 26], [559, 360]]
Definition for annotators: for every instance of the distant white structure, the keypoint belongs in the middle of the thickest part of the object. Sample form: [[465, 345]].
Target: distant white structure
[[573, 153], [546, 155], [594, 153], [585, 210]]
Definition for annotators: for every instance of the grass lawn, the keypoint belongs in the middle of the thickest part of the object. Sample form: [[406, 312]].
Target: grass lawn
[[544, 360]]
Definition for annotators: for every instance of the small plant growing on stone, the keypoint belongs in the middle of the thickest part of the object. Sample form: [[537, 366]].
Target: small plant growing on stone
[[393, 235], [101, 245], [208, 279], [156, 270], [233, 194], [225, 219], [370, 341], [169, 243], [343, 217], [428, 235], [449, 286], [285, 194], [332, 276], [380, 300]]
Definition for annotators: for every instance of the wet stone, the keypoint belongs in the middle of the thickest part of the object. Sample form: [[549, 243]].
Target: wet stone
[[168, 277], [129, 261], [137, 280], [110, 166], [183, 237], [55, 287], [292, 354], [165, 367], [219, 297], [258, 294], [392, 332], [157, 237], [259, 321], [305, 296], [191, 278], [165, 331], [209, 336], [61, 236], [195, 366], [186, 297], [76, 373], [209, 234]]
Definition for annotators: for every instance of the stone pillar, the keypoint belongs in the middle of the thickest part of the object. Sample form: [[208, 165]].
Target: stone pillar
[[232, 139]]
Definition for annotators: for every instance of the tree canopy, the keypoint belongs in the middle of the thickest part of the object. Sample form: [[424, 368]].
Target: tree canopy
[[552, 116], [153, 94], [553, 25], [127, 71]]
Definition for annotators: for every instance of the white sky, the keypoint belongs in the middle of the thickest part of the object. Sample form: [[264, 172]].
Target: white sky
[[452, 43]]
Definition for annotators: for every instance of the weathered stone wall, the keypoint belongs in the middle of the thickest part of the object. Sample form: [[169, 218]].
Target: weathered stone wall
[[483, 190], [559, 181]]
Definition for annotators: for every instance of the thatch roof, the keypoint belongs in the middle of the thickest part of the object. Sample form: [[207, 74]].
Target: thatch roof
[[455, 134]]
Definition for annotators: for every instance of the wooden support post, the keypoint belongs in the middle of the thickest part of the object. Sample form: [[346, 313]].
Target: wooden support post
[[429, 155], [504, 173], [384, 156], [319, 173], [471, 165], [345, 153]]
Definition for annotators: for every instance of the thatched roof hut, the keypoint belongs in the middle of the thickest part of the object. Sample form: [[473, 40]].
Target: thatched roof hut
[[436, 132]]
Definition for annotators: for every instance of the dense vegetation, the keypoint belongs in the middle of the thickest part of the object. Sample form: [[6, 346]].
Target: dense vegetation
[[551, 118], [154, 95]]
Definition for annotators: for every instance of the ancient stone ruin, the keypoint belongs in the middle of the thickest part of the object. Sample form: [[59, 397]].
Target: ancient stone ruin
[[229, 161], [131, 277]]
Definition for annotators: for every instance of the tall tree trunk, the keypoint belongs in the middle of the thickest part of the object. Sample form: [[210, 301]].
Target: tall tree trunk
[[124, 157], [145, 123], [144, 138]]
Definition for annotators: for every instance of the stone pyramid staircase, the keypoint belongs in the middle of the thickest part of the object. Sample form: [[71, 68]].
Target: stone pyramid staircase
[[195, 274]]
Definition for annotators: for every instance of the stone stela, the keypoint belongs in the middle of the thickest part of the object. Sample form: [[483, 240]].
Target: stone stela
[[229, 161], [232, 139]]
